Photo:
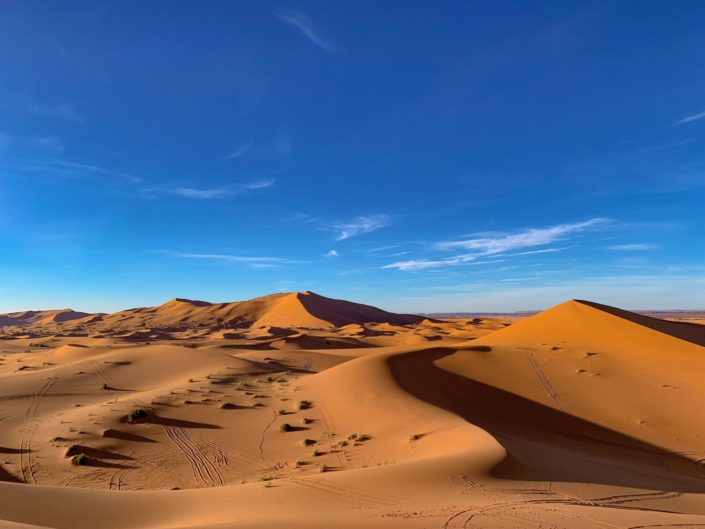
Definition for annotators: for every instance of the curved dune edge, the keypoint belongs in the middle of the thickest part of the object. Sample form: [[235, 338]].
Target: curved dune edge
[[547, 421]]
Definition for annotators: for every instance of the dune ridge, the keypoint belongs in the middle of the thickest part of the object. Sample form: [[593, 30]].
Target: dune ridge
[[294, 409]]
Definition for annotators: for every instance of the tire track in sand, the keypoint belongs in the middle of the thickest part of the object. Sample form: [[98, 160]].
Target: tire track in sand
[[27, 468], [204, 471], [543, 379]]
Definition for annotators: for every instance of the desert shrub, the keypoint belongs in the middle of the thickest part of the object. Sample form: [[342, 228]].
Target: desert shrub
[[304, 404], [322, 467], [282, 412], [316, 453], [306, 420], [105, 386], [309, 442], [286, 427], [79, 459], [414, 437], [136, 414]]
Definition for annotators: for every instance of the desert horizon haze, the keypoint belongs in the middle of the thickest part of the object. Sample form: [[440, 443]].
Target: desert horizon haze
[[357, 265]]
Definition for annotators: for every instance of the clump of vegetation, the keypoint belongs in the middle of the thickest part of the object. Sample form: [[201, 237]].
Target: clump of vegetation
[[105, 386], [316, 453], [322, 468], [309, 442], [79, 459], [270, 379], [266, 478], [135, 415], [227, 406], [304, 404], [306, 420], [414, 437], [286, 427], [282, 412], [299, 463], [359, 437]]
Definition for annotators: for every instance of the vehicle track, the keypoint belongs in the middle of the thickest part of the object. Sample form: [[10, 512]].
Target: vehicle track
[[115, 482], [545, 382], [347, 494], [204, 470], [27, 468], [329, 429]]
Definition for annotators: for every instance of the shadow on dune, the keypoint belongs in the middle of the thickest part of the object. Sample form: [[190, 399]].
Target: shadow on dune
[[6, 476], [178, 423], [544, 444], [690, 332]]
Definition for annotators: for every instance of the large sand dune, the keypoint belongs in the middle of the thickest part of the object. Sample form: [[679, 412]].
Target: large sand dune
[[296, 410]]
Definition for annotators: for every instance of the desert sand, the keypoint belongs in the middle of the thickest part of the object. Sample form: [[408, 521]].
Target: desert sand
[[296, 410]]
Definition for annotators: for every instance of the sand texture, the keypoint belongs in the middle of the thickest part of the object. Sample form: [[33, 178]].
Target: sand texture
[[296, 410]]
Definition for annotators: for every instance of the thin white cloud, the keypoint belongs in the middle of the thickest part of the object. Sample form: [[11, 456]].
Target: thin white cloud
[[242, 150], [331, 253], [303, 24], [498, 245], [211, 193], [691, 118], [634, 247], [415, 265], [190, 192], [525, 239], [252, 261], [360, 225], [56, 111]]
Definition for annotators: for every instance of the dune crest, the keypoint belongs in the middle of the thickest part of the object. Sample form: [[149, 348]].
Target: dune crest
[[303, 411]]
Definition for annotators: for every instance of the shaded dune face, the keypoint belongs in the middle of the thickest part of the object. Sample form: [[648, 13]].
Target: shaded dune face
[[544, 444], [303, 411]]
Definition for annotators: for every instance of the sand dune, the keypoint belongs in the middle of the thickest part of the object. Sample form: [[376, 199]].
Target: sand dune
[[301, 411]]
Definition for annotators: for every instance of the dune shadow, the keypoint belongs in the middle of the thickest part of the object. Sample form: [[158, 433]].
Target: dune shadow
[[178, 423], [690, 332], [544, 444], [95, 453], [8, 450], [126, 436]]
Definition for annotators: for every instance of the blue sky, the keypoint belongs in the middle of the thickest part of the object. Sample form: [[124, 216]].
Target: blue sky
[[437, 156]]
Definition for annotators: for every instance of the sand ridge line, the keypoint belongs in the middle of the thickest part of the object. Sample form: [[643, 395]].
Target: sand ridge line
[[205, 472]]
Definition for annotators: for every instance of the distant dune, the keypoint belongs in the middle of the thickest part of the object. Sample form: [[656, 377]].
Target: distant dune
[[296, 410]]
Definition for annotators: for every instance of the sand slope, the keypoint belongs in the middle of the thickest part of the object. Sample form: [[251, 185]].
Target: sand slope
[[296, 410]]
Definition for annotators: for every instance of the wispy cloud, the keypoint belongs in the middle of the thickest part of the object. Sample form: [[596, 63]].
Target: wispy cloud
[[524, 239], [415, 265], [360, 225], [303, 24], [251, 261], [634, 247], [72, 169], [210, 193], [332, 253], [498, 245], [691, 118], [242, 150], [64, 112]]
